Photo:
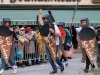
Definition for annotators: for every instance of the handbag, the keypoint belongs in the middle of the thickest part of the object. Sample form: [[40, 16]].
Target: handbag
[[69, 53], [67, 47]]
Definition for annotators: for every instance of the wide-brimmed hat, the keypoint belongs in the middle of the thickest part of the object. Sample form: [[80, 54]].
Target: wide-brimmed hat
[[22, 28]]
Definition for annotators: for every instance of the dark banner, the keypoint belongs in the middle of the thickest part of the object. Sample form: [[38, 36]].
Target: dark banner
[[5, 42]]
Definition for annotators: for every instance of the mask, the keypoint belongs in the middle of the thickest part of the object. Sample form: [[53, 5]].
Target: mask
[[21, 32]]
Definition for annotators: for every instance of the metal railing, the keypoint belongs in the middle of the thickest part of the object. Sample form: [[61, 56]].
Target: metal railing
[[33, 22], [28, 56]]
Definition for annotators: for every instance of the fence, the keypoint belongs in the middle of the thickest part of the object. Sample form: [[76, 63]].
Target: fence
[[33, 23], [27, 55]]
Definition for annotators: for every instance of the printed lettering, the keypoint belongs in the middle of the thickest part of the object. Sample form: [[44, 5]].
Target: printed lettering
[[12, 1], [4, 51]]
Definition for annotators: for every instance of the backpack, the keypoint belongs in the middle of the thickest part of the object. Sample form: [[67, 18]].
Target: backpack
[[68, 40]]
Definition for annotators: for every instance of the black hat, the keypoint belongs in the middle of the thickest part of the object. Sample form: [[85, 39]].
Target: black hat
[[62, 24], [49, 17], [85, 19], [5, 20]]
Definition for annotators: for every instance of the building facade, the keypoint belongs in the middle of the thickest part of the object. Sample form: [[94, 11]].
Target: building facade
[[24, 12]]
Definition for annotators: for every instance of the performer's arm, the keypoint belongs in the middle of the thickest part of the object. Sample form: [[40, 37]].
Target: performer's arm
[[55, 33], [58, 34], [40, 17], [73, 29]]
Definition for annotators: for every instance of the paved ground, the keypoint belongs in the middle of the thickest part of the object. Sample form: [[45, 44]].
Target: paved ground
[[75, 67]]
